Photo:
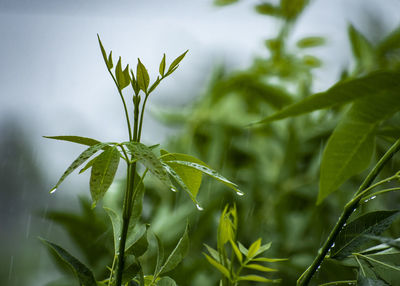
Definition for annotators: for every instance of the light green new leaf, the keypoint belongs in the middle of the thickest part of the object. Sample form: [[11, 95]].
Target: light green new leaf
[[218, 265], [145, 156], [263, 248], [310, 42], [177, 254], [260, 268], [175, 63], [340, 93], [266, 259], [243, 249], [224, 2], [75, 139], [83, 273], [162, 66], [353, 235], [166, 281], [79, 161], [350, 147], [142, 76], [213, 253], [103, 171], [122, 77], [188, 178], [237, 251], [257, 278], [253, 249]]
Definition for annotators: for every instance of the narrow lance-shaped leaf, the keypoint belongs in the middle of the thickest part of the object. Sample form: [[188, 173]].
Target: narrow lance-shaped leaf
[[340, 93], [260, 268], [75, 139], [116, 225], [162, 66], [79, 161], [83, 273], [142, 76], [103, 52], [310, 42], [257, 278], [353, 235], [122, 76], [350, 147], [218, 266], [175, 63], [208, 171], [103, 172], [177, 254], [254, 247]]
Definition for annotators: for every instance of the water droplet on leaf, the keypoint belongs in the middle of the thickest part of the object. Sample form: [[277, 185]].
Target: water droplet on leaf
[[53, 190], [174, 190], [199, 207], [239, 193]]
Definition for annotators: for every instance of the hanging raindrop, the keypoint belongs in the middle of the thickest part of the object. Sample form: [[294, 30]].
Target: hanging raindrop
[[173, 189], [199, 207], [239, 193], [53, 190]]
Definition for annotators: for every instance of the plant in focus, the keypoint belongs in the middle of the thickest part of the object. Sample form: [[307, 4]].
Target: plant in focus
[[173, 170], [232, 258]]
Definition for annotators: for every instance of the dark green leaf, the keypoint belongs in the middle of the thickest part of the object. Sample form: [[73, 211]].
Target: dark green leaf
[[131, 269], [162, 66], [110, 61], [310, 42], [175, 63], [116, 224], [353, 235], [122, 77], [79, 161], [166, 281], [103, 171], [268, 9], [177, 254], [145, 156], [160, 254], [395, 243], [154, 85], [88, 165], [142, 76], [83, 273], [138, 244], [364, 281], [75, 139], [350, 148], [342, 92]]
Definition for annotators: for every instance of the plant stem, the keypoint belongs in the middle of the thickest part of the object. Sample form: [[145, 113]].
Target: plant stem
[[141, 116], [306, 277]]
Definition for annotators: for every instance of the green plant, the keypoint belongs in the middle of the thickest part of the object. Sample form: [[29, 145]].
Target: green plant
[[240, 258], [131, 236]]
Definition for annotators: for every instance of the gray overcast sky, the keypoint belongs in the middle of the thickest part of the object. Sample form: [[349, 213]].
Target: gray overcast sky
[[52, 76]]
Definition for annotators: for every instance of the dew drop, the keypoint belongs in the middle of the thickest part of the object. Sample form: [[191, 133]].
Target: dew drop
[[119, 238], [199, 207], [373, 197], [53, 190], [239, 193], [174, 190]]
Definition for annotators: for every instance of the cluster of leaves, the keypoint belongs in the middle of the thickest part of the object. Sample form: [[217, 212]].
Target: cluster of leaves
[[241, 257]]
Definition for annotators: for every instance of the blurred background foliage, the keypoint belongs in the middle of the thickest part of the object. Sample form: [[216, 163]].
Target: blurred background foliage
[[276, 165]]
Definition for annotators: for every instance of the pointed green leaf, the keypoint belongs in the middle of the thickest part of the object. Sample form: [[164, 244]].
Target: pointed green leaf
[[260, 268], [253, 249], [395, 243], [108, 62], [162, 66], [257, 278], [263, 248], [350, 147], [224, 2], [79, 161], [177, 254], [237, 251], [160, 254], [340, 93], [116, 225], [145, 156], [266, 259], [188, 178], [362, 49], [83, 273], [268, 9], [243, 249], [310, 42], [138, 243], [142, 76], [387, 271], [166, 281], [353, 235], [122, 77], [175, 63], [75, 139], [103, 171], [154, 85], [88, 165], [213, 252], [135, 84], [210, 172], [218, 265], [364, 281]]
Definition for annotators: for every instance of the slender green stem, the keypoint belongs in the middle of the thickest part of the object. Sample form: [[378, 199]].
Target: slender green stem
[[112, 271], [124, 103], [380, 193], [141, 116], [306, 277]]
